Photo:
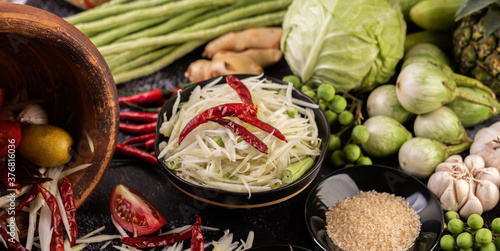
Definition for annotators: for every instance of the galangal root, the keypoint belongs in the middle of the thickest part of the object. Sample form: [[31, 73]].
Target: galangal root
[[245, 52]]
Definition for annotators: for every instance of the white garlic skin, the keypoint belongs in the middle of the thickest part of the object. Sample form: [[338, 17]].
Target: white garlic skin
[[487, 145], [33, 114], [472, 206], [489, 173], [488, 194], [438, 182], [474, 162]]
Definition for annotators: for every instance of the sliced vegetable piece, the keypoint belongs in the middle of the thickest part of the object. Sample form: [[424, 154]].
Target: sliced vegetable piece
[[133, 212], [296, 170]]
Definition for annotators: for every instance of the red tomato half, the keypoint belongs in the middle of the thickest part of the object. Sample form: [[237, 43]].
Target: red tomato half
[[133, 212], [10, 135]]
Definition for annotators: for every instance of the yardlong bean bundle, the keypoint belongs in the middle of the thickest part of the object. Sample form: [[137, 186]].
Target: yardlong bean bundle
[[140, 37]]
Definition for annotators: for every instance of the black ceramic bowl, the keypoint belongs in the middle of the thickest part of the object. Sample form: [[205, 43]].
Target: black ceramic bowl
[[240, 199], [348, 182], [282, 247]]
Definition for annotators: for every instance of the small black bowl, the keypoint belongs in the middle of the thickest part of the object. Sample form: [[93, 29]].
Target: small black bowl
[[231, 199], [282, 247], [348, 182]]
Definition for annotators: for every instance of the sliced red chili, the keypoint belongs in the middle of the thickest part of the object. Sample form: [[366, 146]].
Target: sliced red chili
[[136, 153], [139, 116], [30, 196], [138, 129], [57, 242], [68, 200], [12, 244], [240, 88], [140, 138], [253, 120], [242, 132], [225, 110], [197, 241]]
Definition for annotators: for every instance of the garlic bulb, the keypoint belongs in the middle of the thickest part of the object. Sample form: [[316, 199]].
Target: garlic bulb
[[465, 185], [487, 145], [33, 114]]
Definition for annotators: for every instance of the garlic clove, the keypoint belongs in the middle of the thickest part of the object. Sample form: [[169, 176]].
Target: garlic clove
[[489, 173], [487, 193], [448, 199], [445, 167], [438, 182], [454, 159], [462, 189], [33, 114], [474, 162], [472, 206]]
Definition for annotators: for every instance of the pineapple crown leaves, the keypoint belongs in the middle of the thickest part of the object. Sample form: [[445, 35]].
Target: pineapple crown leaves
[[492, 17]]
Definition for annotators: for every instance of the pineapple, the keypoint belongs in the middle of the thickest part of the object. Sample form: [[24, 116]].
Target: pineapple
[[476, 41]]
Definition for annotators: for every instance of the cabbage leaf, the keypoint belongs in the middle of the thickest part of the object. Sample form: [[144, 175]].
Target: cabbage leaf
[[352, 45]]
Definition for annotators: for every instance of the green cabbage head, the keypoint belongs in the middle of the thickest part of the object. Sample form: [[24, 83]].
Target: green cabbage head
[[351, 44]]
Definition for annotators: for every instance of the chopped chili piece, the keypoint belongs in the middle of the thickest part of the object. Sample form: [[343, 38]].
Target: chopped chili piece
[[33, 192], [70, 208], [140, 138], [138, 129], [240, 88], [153, 96], [242, 132], [12, 244], [225, 110], [57, 242], [139, 116], [197, 241], [136, 153], [253, 120]]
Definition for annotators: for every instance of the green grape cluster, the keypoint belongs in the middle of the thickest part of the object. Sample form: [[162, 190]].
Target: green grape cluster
[[343, 112], [469, 235]]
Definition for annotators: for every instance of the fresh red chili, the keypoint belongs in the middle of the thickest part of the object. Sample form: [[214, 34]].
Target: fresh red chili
[[30, 196], [57, 242], [242, 132], [139, 116], [225, 110], [68, 200], [150, 144], [8, 177], [253, 120], [240, 88], [159, 240], [136, 153], [140, 138], [197, 241], [12, 244], [153, 96], [138, 128]]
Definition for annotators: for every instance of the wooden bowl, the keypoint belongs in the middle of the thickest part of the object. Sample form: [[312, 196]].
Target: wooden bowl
[[48, 60]]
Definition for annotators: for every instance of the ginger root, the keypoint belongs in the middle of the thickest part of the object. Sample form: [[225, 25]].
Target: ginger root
[[257, 38]]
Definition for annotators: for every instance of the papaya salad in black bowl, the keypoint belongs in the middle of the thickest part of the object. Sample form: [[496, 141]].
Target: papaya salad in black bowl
[[241, 141]]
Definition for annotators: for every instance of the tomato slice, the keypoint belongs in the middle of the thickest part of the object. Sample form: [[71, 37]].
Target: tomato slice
[[133, 212], [10, 135]]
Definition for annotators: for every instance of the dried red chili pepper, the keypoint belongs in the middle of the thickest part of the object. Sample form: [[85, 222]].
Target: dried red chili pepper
[[30, 196], [242, 132], [57, 242], [240, 88], [26, 178], [160, 240], [136, 153], [153, 96], [8, 178], [138, 129], [12, 244], [150, 144], [29, 167], [253, 120], [225, 110], [197, 241], [140, 139], [68, 200], [139, 116]]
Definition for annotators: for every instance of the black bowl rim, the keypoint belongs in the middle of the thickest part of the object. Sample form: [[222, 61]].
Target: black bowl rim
[[314, 170], [348, 169]]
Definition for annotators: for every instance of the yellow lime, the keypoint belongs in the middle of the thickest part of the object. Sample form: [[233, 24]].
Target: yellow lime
[[45, 145]]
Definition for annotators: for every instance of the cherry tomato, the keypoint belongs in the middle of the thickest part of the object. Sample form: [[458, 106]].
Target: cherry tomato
[[133, 212], [10, 135]]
